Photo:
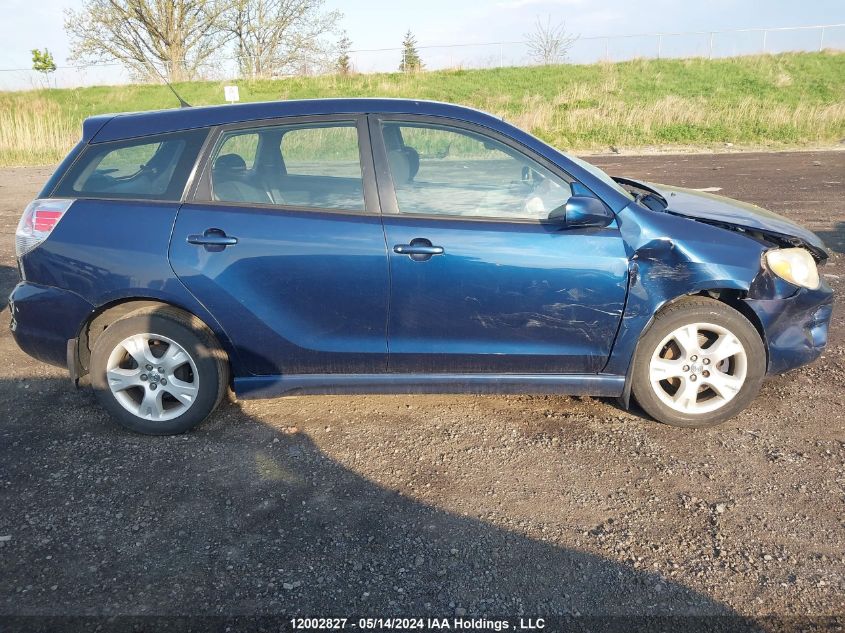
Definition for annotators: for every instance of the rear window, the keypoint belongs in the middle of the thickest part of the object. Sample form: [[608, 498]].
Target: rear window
[[151, 167]]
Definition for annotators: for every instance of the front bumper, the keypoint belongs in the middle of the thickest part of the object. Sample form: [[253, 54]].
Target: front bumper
[[795, 328], [44, 319]]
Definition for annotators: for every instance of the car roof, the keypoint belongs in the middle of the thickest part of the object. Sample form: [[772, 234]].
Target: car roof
[[113, 127]]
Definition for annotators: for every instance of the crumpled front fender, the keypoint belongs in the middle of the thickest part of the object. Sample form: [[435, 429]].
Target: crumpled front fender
[[671, 257], [795, 327]]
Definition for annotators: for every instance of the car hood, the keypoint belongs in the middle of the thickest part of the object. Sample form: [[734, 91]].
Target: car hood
[[719, 210]]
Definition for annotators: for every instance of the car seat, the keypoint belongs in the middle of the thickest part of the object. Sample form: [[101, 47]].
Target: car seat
[[228, 176], [400, 167]]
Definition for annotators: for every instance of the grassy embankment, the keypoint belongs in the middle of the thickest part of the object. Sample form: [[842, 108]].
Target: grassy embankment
[[784, 100]]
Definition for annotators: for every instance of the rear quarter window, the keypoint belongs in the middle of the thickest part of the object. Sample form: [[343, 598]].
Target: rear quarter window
[[150, 168]]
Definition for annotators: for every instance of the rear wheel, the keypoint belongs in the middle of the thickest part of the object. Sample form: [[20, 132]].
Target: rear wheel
[[700, 363], [158, 371]]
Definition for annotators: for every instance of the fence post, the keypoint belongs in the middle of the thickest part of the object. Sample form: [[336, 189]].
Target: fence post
[[821, 41], [659, 45], [765, 33], [710, 52]]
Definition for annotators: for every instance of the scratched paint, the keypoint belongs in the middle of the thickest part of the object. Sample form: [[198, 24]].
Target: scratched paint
[[665, 267]]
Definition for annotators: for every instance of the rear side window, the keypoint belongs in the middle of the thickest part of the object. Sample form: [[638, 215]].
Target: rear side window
[[151, 167], [322, 151], [308, 165], [244, 145]]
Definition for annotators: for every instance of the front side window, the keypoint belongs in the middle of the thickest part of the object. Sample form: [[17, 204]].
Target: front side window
[[308, 165], [441, 170], [152, 167]]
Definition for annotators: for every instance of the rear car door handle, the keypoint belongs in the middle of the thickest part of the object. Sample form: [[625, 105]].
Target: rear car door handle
[[417, 249], [213, 237], [420, 249]]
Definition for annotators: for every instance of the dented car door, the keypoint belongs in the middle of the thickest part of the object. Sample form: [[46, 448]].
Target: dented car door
[[481, 279]]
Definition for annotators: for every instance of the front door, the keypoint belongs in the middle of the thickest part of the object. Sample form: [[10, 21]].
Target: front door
[[481, 281], [284, 245]]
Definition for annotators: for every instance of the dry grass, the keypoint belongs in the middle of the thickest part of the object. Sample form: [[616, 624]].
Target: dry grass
[[673, 119], [34, 134], [782, 100]]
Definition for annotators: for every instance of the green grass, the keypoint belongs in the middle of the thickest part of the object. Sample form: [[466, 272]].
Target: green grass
[[776, 101]]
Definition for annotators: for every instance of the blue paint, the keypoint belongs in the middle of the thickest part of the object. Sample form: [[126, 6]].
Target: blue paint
[[301, 292], [323, 301], [670, 257], [504, 297], [796, 327], [44, 319], [107, 252]]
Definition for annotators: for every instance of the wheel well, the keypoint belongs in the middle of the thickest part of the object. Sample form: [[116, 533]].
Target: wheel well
[[108, 314], [734, 299], [730, 297]]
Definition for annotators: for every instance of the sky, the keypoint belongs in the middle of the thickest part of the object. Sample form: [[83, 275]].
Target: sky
[[381, 23], [373, 24]]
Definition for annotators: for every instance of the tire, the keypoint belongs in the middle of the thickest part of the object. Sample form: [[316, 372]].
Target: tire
[[716, 378], [188, 379]]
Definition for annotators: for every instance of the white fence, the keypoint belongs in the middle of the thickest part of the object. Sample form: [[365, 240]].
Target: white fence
[[586, 49], [591, 49]]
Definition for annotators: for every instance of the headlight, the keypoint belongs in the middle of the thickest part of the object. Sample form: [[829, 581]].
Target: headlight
[[796, 265]]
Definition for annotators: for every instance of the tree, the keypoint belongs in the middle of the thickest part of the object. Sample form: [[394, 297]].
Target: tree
[[153, 38], [344, 62], [549, 43], [280, 36], [43, 63], [411, 61]]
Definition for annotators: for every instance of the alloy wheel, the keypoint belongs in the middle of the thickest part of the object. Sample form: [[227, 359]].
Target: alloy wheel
[[698, 368], [152, 377]]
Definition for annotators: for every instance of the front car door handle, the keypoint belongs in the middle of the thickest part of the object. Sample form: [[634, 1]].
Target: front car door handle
[[417, 249], [213, 237]]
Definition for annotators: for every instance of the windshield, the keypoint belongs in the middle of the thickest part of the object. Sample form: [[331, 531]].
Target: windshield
[[598, 173]]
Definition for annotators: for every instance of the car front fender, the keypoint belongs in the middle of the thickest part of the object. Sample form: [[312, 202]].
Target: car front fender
[[671, 257]]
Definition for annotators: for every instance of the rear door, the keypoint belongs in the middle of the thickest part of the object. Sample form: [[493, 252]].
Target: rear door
[[283, 243], [481, 280]]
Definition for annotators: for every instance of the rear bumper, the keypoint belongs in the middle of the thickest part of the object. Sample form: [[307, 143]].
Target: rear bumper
[[44, 319], [796, 327]]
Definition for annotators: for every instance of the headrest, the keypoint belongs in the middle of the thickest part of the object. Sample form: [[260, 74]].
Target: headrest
[[413, 161], [229, 162], [400, 167]]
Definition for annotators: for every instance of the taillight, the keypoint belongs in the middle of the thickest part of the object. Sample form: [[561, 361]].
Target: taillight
[[37, 221]]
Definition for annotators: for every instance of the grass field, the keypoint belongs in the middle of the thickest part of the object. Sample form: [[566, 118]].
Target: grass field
[[773, 101]]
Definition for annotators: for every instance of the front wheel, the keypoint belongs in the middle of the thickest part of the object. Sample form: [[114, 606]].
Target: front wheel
[[700, 363], [158, 371]]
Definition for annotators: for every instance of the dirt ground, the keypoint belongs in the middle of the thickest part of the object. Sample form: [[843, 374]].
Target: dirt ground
[[439, 505]]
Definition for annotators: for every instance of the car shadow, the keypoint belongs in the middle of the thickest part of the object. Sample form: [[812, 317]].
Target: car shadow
[[244, 517], [8, 279], [835, 239]]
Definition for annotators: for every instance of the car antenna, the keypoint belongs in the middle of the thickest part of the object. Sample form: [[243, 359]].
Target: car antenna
[[182, 102]]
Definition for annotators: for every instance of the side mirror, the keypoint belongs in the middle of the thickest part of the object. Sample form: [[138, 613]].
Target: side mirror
[[582, 211]]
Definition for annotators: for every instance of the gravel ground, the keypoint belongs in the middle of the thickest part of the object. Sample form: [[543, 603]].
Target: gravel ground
[[438, 505]]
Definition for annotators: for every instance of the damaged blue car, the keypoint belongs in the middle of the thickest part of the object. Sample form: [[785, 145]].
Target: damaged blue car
[[384, 246]]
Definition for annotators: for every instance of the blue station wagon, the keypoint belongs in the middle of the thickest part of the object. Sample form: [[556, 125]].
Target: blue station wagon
[[379, 245]]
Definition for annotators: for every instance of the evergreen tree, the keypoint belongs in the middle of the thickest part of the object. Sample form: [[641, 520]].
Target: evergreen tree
[[344, 62], [411, 61]]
